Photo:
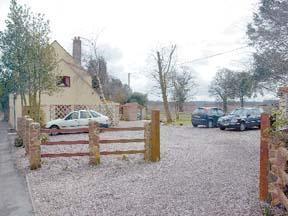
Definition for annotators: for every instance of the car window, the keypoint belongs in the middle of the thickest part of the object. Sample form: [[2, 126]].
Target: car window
[[220, 112], [95, 114], [73, 115], [213, 112], [84, 115]]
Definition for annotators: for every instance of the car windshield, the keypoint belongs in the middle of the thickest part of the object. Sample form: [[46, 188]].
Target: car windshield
[[199, 111], [239, 112], [95, 114]]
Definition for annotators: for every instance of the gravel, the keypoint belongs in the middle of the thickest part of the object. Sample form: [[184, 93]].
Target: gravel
[[202, 172]]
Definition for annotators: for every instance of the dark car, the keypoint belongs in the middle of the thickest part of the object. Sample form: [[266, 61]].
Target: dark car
[[207, 116], [241, 119]]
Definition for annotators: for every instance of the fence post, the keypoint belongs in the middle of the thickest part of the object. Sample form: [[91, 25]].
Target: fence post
[[264, 157], [155, 136], [34, 146], [94, 149], [147, 138]]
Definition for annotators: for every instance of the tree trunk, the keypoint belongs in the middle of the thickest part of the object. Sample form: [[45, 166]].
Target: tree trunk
[[225, 105], [242, 101], [163, 86], [166, 108]]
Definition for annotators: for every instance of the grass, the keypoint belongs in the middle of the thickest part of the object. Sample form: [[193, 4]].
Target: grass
[[184, 119]]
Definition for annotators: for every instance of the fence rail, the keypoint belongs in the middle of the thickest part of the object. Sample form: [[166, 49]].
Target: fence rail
[[71, 142], [86, 130], [30, 132]]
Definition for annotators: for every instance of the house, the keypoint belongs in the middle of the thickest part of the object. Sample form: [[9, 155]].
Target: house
[[132, 112], [75, 88]]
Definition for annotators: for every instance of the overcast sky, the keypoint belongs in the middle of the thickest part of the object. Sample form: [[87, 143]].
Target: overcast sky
[[130, 29]]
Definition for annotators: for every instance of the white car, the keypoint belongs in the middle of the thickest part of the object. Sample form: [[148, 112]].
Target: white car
[[79, 119]]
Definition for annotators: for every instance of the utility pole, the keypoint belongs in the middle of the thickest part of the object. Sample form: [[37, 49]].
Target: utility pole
[[129, 74]]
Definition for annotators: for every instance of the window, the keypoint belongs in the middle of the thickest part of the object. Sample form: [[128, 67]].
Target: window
[[63, 81], [71, 116], [84, 114]]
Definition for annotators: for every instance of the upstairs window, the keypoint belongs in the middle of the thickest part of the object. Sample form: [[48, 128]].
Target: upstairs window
[[63, 81]]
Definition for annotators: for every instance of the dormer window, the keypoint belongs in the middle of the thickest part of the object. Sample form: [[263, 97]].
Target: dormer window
[[63, 81]]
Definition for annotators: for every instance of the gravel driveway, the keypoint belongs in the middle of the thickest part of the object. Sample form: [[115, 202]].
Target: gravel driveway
[[202, 172]]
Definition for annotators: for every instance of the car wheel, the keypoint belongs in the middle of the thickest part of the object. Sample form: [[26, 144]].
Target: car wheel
[[210, 124], [242, 126], [222, 128], [194, 125], [53, 128]]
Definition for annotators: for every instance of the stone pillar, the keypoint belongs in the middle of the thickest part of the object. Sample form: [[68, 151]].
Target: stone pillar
[[147, 138], [34, 146], [94, 148], [26, 139]]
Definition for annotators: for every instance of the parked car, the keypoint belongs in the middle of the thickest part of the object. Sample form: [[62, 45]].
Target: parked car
[[207, 116], [241, 119], [79, 119]]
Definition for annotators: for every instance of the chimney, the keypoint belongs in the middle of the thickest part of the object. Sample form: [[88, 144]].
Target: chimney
[[77, 50]]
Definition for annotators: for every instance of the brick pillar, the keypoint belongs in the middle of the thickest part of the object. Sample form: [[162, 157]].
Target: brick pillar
[[34, 146], [94, 148], [147, 138]]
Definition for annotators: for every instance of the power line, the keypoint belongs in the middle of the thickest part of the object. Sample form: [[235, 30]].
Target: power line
[[217, 54]]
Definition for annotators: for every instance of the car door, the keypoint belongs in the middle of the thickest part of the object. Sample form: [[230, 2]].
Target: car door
[[214, 115], [251, 119], [84, 118], [71, 120], [256, 117]]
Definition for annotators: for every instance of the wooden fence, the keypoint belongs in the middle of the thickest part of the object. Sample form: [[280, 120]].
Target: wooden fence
[[30, 131], [273, 182]]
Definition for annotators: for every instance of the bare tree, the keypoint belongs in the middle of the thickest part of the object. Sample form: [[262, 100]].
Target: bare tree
[[184, 85], [222, 86], [164, 63], [95, 59]]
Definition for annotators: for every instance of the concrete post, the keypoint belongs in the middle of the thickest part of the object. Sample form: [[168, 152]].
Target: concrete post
[[34, 146], [94, 148]]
